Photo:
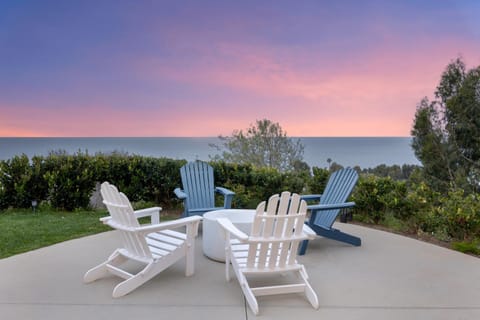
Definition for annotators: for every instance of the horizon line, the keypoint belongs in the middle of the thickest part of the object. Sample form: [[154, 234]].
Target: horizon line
[[189, 137]]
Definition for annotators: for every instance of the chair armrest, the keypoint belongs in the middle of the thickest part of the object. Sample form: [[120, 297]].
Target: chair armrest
[[180, 194], [319, 207], [228, 226], [152, 228], [169, 224], [311, 197], [153, 212], [309, 232], [105, 219], [228, 195], [224, 191]]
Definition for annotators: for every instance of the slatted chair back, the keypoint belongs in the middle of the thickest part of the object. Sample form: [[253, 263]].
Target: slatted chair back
[[339, 187], [276, 232], [198, 183], [124, 218]]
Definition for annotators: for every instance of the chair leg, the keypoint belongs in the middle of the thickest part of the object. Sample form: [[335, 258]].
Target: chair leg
[[338, 235], [190, 260], [227, 203], [249, 295], [227, 255], [309, 292], [190, 254], [134, 282], [227, 265], [101, 270], [303, 248], [126, 286]]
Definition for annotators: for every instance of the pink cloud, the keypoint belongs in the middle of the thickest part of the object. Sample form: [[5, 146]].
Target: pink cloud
[[375, 94], [207, 69], [378, 96]]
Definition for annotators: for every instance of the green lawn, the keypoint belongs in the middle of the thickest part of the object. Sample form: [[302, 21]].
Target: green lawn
[[23, 230]]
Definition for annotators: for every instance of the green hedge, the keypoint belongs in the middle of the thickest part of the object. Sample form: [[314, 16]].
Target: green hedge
[[418, 208], [253, 185], [66, 181]]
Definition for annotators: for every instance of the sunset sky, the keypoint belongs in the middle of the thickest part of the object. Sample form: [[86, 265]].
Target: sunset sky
[[204, 68]]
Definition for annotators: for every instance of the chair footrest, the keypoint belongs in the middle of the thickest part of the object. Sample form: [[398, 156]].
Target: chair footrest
[[288, 288], [119, 272]]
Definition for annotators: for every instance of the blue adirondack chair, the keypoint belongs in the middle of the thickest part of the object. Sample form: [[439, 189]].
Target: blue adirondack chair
[[198, 192], [324, 213]]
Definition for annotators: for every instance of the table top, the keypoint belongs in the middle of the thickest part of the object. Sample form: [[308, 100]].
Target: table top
[[234, 215]]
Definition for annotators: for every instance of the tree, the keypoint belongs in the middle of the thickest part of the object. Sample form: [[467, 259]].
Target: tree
[[446, 131], [264, 144]]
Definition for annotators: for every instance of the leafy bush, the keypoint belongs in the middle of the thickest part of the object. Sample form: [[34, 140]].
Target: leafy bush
[[67, 181], [3, 196], [460, 214], [70, 180], [375, 197], [19, 182], [369, 197], [421, 201], [38, 185], [319, 180], [253, 185]]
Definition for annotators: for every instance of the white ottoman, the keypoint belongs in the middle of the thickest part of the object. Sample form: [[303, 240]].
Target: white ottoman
[[213, 236]]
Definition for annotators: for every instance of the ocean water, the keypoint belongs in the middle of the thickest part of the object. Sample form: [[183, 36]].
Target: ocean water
[[364, 152]]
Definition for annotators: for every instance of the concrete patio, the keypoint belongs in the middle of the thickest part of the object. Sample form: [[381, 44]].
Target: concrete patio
[[389, 277]]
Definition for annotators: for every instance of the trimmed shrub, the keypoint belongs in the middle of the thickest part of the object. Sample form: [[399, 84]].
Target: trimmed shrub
[[70, 180], [15, 182]]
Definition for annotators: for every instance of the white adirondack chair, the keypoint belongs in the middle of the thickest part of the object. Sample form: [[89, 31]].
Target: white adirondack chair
[[271, 248], [155, 244]]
